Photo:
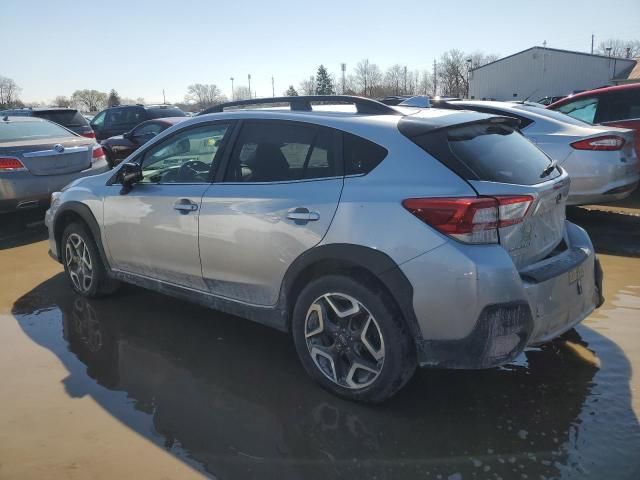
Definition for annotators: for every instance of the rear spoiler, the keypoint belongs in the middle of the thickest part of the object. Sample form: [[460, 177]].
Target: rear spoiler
[[412, 126]]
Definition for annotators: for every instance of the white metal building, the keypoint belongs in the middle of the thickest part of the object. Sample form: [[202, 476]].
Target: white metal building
[[538, 72]]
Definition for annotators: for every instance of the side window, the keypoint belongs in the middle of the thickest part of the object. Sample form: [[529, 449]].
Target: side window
[[186, 157], [622, 105], [133, 116], [360, 155], [148, 130], [113, 117], [583, 109], [280, 152], [98, 120]]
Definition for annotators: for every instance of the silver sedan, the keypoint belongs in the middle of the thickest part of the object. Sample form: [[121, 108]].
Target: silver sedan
[[602, 161], [38, 157]]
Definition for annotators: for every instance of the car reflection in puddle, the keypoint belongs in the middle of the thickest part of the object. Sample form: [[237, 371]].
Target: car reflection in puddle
[[229, 397]]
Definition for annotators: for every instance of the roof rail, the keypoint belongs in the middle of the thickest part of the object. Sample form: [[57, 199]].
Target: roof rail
[[302, 103]]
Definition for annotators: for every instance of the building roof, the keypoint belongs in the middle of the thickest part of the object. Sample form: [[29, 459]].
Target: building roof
[[593, 55]]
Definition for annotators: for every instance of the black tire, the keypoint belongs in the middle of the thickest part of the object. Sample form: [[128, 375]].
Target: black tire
[[399, 362], [100, 283]]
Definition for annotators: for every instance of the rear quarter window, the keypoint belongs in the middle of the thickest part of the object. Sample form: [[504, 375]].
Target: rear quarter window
[[360, 155]]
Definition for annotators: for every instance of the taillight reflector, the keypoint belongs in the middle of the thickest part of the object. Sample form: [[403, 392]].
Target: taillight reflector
[[605, 142], [9, 163], [98, 154], [470, 219]]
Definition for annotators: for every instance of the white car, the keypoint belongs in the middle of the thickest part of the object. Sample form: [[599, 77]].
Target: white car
[[601, 161]]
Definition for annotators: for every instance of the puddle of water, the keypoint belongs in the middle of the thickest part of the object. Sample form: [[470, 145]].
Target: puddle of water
[[230, 397]]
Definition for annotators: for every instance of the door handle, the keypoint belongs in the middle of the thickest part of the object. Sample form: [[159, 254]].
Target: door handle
[[302, 215], [184, 206]]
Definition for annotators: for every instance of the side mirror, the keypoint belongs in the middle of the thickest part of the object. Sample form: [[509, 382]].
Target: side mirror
[[127, 135], [129, 174]]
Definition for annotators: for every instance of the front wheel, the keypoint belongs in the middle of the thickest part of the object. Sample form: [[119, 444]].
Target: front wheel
[[82, 263], [352, 340]]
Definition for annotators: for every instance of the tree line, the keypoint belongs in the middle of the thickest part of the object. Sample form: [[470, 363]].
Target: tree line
[[449, 75]]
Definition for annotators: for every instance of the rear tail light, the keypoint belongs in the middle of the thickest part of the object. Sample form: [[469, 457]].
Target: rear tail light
[[606, 142], [470, 219], [90, 134], [10, 164], [98, 154]]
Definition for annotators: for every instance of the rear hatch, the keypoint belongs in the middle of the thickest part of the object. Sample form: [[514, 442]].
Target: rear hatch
[[53, 156], [68, 118], [498, 161]]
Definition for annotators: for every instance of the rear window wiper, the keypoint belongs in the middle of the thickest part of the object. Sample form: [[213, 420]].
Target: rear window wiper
[[550, 168]]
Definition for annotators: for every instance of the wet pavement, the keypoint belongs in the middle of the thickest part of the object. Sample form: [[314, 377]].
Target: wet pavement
[[144, 386]]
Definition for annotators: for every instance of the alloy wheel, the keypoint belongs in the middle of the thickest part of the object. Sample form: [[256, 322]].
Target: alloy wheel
[[78, 260], [344, 340]]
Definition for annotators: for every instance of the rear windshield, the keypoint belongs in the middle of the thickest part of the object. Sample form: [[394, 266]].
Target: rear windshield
[[11, 131], [498, 153], [165, 112], [67, 118]]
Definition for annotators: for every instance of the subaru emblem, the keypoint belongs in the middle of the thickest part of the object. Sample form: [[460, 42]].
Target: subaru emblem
[[58, 148]]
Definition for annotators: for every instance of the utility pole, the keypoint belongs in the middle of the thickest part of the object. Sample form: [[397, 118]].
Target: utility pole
[[469, 60], [273, 88], [343, 67], [249, 77], [435, 79], [164, 99], [404, 90], [232, 92], [592, 37]]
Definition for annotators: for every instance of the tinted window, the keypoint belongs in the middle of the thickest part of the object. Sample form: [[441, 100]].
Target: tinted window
[[186, 157], [165, 112], [360, 155], [148, 130], [583, 109], [98, 120], [123, 117], [498, 153], [67, 118], [10, 131], [281, 151], [622, 105]]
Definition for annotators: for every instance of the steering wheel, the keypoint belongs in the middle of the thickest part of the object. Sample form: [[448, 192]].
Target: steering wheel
[[192, 170]]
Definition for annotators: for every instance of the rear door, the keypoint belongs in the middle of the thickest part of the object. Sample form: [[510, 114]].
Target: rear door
[[276, 199]]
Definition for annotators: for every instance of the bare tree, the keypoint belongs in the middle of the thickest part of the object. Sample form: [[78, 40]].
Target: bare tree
[[452, 73], [479, 58], [62, 101], [393, 79], [204, 95], [89, 100], [308, 86], [9, 92], [241, 93], [368, 78], [619, 48]]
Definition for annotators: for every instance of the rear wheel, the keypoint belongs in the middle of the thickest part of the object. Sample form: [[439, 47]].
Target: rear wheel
[[82, 263], [352, 340]]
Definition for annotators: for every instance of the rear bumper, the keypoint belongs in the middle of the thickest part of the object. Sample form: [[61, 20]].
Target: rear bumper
[[611, 192], [475, 310], [24, 190]]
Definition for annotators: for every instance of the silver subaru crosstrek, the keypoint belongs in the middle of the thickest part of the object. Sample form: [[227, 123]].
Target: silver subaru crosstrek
[[381, 239]]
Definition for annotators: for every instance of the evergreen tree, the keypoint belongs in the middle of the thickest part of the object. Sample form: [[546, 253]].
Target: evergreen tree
[[291, 92], [114, 99], [324, 83]]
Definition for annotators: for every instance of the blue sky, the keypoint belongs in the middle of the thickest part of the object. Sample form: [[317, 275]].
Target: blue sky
[[53, 47]]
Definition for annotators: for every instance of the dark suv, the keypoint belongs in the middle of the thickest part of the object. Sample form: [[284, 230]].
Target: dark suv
[[121, 119], [67, 117]]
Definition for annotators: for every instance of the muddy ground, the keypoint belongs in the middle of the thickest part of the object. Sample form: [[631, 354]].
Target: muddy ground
[[144, 386]]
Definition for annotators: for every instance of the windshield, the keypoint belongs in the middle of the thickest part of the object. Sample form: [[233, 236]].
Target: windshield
[[12, 131], [561, 117]]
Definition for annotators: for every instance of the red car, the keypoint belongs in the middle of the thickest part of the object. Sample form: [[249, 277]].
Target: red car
[[616, 106]]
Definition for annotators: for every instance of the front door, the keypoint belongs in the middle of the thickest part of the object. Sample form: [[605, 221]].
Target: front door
[[152, 231], [277, 199]]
